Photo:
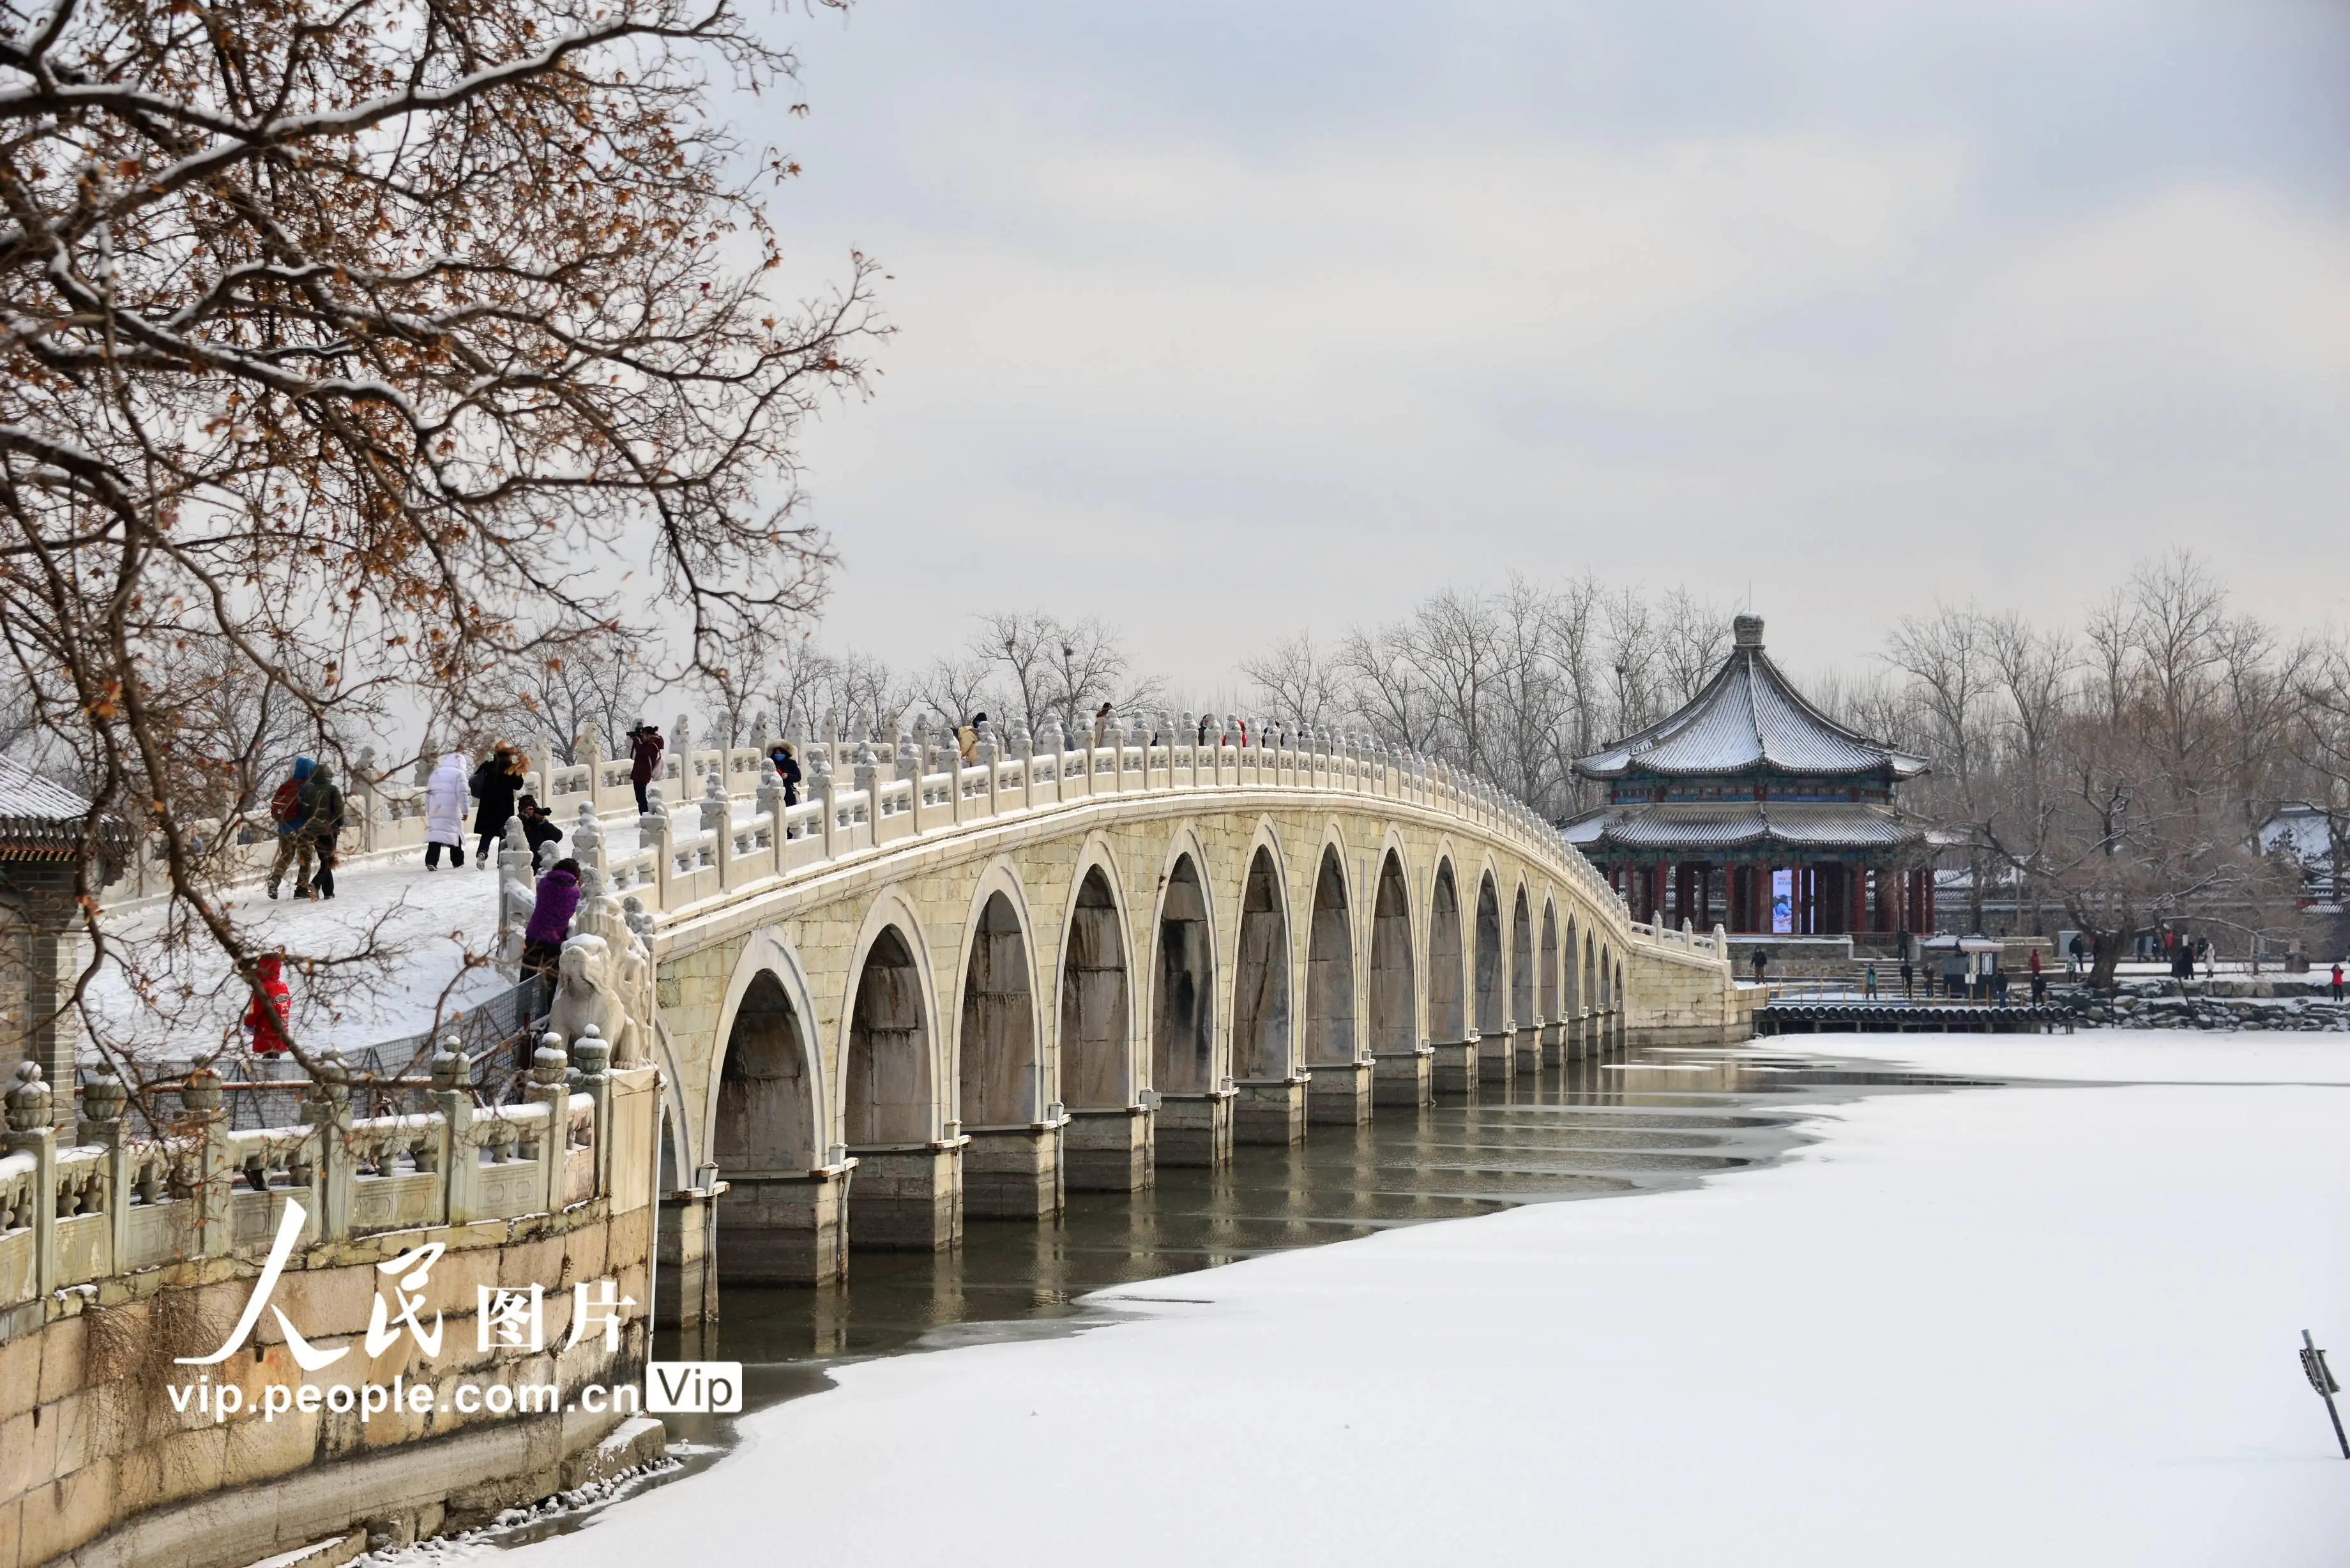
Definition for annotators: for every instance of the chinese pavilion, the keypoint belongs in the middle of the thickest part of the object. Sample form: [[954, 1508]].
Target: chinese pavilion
[[1752, 809]]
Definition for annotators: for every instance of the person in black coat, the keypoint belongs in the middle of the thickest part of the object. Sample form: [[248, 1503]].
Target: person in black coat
[[537, 827], [787, 768], [495, 784]]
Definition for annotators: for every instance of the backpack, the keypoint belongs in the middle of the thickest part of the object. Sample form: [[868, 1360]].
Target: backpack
[[285, 804]]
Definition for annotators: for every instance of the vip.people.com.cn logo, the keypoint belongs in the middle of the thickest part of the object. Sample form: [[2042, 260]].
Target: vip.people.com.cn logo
[[505, 1318]]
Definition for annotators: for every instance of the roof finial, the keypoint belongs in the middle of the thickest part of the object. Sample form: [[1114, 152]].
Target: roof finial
[[1747, 630]]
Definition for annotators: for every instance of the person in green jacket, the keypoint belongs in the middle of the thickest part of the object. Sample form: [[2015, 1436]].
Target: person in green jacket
[[322, 825]]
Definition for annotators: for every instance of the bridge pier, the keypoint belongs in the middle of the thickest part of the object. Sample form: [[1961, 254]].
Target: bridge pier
[[909, 1197], [1556, 1043], [1340, 1094], [1013, 1173], [1453, 1067], [1269, 1110], [1107, 1150], [1195, 1129], [784, 1228], [686, 1245], [1402, 1077], [1497, 1061], [1527, 1044]]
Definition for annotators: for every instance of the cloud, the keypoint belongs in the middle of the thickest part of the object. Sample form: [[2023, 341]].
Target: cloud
[[1222, 371]]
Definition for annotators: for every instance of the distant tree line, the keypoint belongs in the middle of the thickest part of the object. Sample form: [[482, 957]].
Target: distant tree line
[[2112, 778]]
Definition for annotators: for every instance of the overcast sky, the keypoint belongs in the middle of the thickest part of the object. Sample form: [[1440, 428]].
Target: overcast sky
[[1227, 320]]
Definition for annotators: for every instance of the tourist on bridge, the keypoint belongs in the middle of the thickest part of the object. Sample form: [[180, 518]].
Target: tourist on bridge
[[1868, 980], [787, 768], [1101, 726], [2038, 980], [262, 1019], [537, 827], [292, 844], [444, 811], [967, 741], [1761, 960], [645, 749], [322, 825], [1909, 976], [495, 784], [2337, 982], [550, 918]]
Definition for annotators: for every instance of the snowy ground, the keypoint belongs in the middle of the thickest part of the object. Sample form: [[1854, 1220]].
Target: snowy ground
[[2017, 1325], [431, 920]]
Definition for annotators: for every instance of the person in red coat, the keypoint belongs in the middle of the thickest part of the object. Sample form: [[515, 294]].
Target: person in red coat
[[262, 1028]]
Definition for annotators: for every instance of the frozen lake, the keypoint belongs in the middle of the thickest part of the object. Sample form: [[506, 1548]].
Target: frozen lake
[[1839, 1322]]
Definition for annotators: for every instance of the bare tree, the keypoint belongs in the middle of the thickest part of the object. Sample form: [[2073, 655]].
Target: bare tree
[[1297, 683], [597, 682], [1020, 645], [957, 690], [340, 340]]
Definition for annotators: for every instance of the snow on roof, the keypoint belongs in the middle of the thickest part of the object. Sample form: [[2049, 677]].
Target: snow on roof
[[39, 819], [1730, 824], [26, 795], [1748, 716]]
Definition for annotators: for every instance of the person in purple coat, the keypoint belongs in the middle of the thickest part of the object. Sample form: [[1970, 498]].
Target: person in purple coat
[[550, 917]]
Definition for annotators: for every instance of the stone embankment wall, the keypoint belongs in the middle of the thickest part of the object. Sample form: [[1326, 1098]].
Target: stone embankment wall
[[113, 1451], [2157, 1004]]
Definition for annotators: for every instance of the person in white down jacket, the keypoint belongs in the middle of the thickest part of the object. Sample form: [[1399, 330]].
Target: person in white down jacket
[[445, 802]]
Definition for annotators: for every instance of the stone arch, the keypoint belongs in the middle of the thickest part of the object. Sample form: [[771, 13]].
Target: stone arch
[[763, 1116], [1330, 1024], [1548, 968], [1261, 960], [1183, 982], [907, 1194], [1097, 1060], [1394, 998], [997, 1067], [1488, 957], [1607, 977], [770, 1131], [1521, 960], [889, 1064], [1572, 1000], [1447, 1018]]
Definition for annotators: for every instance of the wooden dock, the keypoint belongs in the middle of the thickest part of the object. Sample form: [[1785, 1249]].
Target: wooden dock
[[1895, 1017]]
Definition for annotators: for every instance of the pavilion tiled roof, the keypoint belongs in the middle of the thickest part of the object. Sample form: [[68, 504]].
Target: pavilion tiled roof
[[1708, 826], [1749, 718], [39, 819]]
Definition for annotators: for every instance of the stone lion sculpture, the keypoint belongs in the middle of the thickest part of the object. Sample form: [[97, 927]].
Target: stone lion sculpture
[[586, 991]]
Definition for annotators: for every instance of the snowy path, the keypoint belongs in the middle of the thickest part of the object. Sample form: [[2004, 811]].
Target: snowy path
[[2020, 1325], [434, 918]]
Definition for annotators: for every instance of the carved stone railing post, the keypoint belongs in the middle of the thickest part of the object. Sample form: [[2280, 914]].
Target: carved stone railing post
[[591, 1062], [865, 777], [459, 1176], [988, 754], [718, 820], [821, 791], [200, 1098], [329, 1111], [30, 1132], [102, 1101], [550, 1065]]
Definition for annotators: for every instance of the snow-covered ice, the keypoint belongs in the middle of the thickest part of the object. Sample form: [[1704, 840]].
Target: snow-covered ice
[[434, 920], [2047, 1324]]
